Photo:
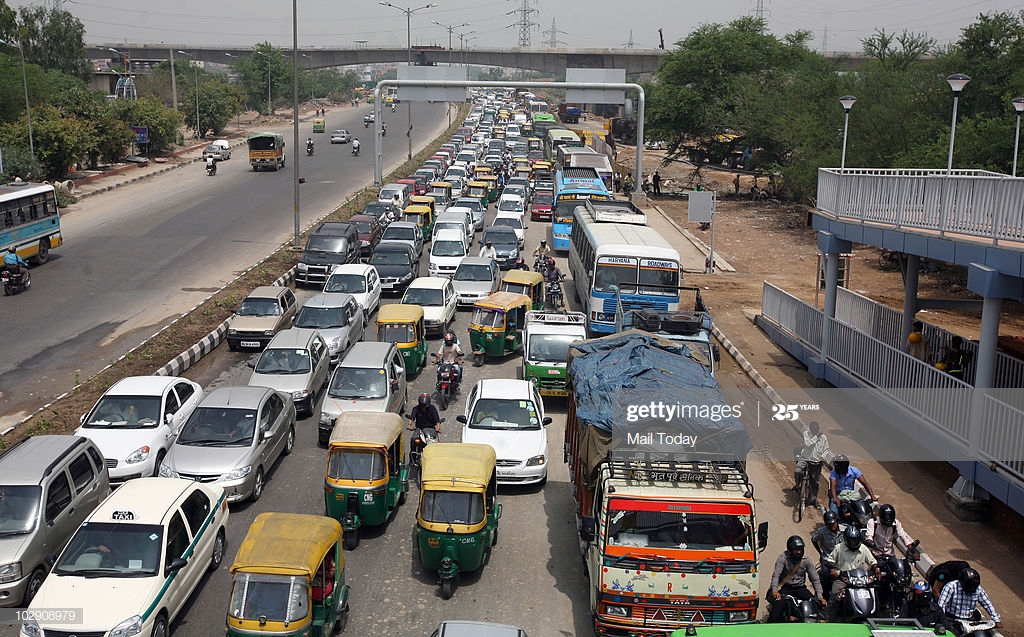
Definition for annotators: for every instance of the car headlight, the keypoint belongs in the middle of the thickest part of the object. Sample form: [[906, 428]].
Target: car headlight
[[326, 419], [514, 253], [407, 276], [10, 572], [240, 472], [232, 332], [167, 472], [302, 267], [30, 628], [302, 394], [738, 616], [334, 344], [268, 332], [535, 461], [617, 611], [138, 455], [128, 628]]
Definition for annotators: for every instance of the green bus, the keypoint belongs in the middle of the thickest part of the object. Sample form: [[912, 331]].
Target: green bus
[[542, 122]]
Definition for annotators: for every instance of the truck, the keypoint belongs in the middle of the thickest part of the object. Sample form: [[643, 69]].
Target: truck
[[569, 113], [662, 502], [690, 327], [546, 341], [266, 150]]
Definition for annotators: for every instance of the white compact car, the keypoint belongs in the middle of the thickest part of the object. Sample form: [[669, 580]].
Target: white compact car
[[358, 279], [447, 250], [436, 296]]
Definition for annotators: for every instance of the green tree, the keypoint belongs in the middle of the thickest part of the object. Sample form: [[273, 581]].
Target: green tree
[[8, 21], [19, 162], [110, 135], [55, 40], [265, 66], [149, 111], [218, 103]]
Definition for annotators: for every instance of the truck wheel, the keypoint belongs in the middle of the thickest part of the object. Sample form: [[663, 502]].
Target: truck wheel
[[44, 252]]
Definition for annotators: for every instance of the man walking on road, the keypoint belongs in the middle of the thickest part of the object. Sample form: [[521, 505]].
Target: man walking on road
[[656, 180]]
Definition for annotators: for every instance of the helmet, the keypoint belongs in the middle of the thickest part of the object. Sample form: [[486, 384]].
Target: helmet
[[551, 261], [11, 249], [795, 545], [449, 338], [887, 515], [970, 580], [543, 242], [852, 537], [841, 464], [920, 593], [830, 517], [424, 400]]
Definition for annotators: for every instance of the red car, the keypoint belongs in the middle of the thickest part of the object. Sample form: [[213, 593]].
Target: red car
[[543, 203], [369, 230], [418, 187]]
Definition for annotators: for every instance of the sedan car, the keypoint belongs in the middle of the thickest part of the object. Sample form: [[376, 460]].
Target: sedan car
[[505, 243], [219, 153], [136, 421], [358, 279], [338, 318], [134, 563], [232, 439], [340, 136], [436, 296], [405, 232], [370, 231], [264, 312], [396, 263], [476, 278]]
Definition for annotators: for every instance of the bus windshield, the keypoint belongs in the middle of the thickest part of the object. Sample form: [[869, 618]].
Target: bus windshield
[[611, 272], [660, 273]]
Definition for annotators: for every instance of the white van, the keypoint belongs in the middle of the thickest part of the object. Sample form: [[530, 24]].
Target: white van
[[388, 192], [447, 251]]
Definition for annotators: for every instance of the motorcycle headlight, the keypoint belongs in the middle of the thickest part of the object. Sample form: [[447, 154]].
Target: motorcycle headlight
[[167, 472], [30, 628], [238, 473], [10, 572], [138, 455], [128, 628], [535, 461], [617, 611]]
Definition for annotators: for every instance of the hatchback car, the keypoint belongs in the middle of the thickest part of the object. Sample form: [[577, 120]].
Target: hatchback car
[[406, 232], [339, 319], [437, 298], [476, 278], [505, 243], [371, 377], [218, 153], [397, 265], [134, 563], [340, 136], [136, 421], [512, 203], [232, 439], [296, 363], [509, 416], [477, 208], [358, 279], [514, 221], [369, 229], [264, 312]]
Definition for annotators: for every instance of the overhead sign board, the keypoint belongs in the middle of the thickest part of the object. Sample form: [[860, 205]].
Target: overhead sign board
[[432, 73], [596, 95], [701, 206]]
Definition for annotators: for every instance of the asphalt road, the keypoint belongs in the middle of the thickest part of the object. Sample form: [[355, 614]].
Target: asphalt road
[[137, 257]]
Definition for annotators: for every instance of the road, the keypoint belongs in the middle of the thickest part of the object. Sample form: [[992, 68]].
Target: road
[[135, 259]]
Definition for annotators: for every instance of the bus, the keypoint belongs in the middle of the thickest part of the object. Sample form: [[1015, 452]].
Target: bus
[[555, 138], [542, 123], [391, 95], [31, 221], [537, 106], [565, 151], [572, 188], [612, 247]]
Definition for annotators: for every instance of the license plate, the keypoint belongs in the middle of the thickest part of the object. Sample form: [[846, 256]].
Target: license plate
[[249, 343], [553, 392], [506, 473]]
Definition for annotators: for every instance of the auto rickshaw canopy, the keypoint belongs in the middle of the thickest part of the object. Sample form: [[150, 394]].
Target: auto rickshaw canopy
[[505, 301], [476, 183], [423, 200], [366, 429], [288, 544], [457, 466], [399, 313], [523, 277]]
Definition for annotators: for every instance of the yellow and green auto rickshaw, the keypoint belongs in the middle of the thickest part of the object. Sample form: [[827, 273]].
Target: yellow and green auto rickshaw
[[403, 325], [457, 520], [523, 169], [535, 143], [493, 191], [288, 578], [319, 125], [421, 216], [525, 282], [478, 190], [441, 188], [495, 329], [481, 170], [366, 476]]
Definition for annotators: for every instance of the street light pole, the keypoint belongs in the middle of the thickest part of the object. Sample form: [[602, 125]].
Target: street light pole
[[196, 68], [28, 108], [847, 101], [451, 29], [174, 83], [957, 82], [1018, 105], [408, 40]]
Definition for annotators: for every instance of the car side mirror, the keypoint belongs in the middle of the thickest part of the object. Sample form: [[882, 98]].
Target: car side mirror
[[251, 365], [461, 418], [762, 536], [716, 352], [168, 418], [546, 421], [81, 419], [265, 434], [588, 526], [176, 564]]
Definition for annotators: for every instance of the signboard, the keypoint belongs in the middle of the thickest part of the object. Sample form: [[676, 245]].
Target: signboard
[[596, 95], [433, 73], [141, 134], [701, 207]]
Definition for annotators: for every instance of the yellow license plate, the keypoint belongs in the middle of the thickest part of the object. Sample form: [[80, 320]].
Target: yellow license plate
[[433, 542]]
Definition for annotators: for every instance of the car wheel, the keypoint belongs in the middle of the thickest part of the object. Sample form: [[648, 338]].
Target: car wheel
[[257, 487], [218, 551], [34, 583], [289, 442], [160, 627]]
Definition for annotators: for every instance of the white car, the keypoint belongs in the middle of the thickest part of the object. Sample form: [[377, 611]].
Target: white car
[[512, 220], [131, 567], [136, 421], [358, 279], [340, 136], [447, 251], [509, 416], [436, 296], [512, 203]]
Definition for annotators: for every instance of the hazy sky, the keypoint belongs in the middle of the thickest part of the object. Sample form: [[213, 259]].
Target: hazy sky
[[837, 26]]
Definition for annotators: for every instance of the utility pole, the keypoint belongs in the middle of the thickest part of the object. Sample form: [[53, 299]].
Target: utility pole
[[552, 34]]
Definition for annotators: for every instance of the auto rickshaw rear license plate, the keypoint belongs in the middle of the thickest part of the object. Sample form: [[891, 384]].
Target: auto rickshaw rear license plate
[[433, 542]]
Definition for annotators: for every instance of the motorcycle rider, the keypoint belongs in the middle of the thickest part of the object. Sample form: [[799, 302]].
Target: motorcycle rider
[[920, 605], [791, 570], [488, 251], [309, 145], [844, 478], [392, 107], [14, 263], [554, 275], [450, 352], [211, 165], [355, 146], [424, 416], [848, 555], [881, 533], [383, 129], [824, 539], [960, 599], [542, 251]]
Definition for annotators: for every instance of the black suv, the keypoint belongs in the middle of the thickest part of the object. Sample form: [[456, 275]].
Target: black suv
[[333, 243]]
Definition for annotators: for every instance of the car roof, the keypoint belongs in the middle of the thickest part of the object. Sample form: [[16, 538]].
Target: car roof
[[29, 461], [142, 385], [352, 268], [403, 224], [234, 397], [463, 628], [432, 282], [509, 388], [294, 337], [355, 218], [334, 299], [266, 291], [369, 354], [450, 234], [500, 230], [148, 499]]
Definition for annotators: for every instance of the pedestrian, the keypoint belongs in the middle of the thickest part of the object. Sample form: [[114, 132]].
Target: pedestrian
[[956, 358], [618, 180], [709, 265], [656, 180], [736, 186], [917, 345]]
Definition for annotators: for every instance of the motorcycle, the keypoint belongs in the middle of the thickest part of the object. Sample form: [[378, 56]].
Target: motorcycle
[[392, 108], [366, 122], [540, 264], [553, 296], [859, 601], [855, 512], [447, 384], [384, 131], [355, 151], [15, 282], [211, 168], [806, 611], [309, 149], [420, 439], [897, 576]]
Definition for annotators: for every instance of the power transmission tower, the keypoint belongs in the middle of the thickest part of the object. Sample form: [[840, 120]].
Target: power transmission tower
[[759, 12], [629, 45], [552, 34], [57, 5], [525, 24]]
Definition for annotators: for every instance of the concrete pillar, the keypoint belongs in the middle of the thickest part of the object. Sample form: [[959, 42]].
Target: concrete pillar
[[993, 287], [831, 248], [909, 295]]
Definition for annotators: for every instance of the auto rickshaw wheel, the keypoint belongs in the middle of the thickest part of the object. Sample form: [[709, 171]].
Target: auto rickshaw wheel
[[478, 359], [447, 588], [351, 539]]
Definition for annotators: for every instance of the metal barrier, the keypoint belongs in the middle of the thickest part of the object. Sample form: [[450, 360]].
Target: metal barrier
[[797, 317]]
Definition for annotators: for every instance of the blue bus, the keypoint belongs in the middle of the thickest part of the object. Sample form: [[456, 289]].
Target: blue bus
[[613, 253], [29, 220], [573, 186]]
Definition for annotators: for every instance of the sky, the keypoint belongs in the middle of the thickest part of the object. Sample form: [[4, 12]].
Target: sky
[[836, 26]]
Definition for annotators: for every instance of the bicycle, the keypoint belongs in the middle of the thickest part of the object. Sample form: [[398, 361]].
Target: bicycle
[[804, 489]]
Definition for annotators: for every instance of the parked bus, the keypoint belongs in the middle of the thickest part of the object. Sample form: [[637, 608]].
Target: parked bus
[[572, 188], [612, 247], [555, 138], [266, 150], [30, 220]]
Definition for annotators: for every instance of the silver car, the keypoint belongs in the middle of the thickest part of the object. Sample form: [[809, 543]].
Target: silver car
[[232, 439], [338, 318], [475, 278], [296, 362]]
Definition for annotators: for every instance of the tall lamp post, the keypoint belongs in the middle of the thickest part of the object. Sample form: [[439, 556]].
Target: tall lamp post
[[238, 116], [408, 39], [28, 109], [462, 43], [1018, 105], [195, 66], [847, 101], [957, 82], [270, 101]]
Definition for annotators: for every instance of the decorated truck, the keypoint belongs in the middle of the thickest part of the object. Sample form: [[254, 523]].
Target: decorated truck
[[546, 341], [663, 506]]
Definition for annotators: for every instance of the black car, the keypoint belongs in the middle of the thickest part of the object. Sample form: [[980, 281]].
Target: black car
[[506, 245], [379, 209], [396, 265]]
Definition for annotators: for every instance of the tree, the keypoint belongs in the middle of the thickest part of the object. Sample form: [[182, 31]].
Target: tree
[[149, 111], [18, 161], [218, 103], [110, 134], [266, 65], [55, 40], [8, 22]]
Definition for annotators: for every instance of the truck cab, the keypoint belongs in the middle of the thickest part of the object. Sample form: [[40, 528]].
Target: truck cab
[[546, 342]]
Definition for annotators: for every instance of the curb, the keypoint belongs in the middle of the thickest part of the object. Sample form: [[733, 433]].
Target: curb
[[721, 263]]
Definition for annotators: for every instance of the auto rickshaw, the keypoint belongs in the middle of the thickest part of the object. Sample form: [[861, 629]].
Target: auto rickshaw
[[366, 477], [495, 328], [493, 191], [478, 190], [288, 578], [441, 187], [402, 324], [319, 125], [481, 170], [457, 520], [535, 143], [523, 169], [525, 282], [422, 216]]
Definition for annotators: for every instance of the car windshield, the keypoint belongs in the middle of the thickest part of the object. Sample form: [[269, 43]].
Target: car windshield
[[275, 598], [683, 530], [550, 348], [397, 233], [350, 283], [125, 412], [453, 507], [321, 318], [105, 549], [358, 382], [348, 464], [543, 199], [376, 209], [390, 258], [259, 307], [325, 243], [19, 506], [363, 227], [515, 190], [470, 272], [219, 427], [511, 205], [501, 238], [504, 413], [472, 204], [396, 333], [487, 317], [423, 296], [508, 222], [448, 249], [284, 360]]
